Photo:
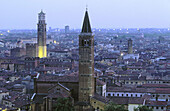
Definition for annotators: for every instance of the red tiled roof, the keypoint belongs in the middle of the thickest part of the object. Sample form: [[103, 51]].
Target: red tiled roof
[[156, 103], [58, 95], [100, 83], [54, 78], [156, 86], [162, 90], [101, 98]]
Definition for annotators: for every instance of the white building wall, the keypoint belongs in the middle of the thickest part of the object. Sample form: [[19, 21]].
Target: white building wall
[[104, 91], [125, 94], [132, 106]]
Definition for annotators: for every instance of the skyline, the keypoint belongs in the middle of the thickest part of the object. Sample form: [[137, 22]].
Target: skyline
[[104, 14]]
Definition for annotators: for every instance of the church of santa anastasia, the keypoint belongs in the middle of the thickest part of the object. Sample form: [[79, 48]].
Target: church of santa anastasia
[[81, 89]]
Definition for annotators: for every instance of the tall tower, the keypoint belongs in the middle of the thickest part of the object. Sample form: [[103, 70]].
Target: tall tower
[[42, 48], [86, 61], [67, 29], [130, 49]]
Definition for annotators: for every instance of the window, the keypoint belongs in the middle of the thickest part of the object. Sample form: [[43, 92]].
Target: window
[[131, 82], [108, 94], [58, 89], [157, 107], [126, 94], [82, 42], [162, 107], [89, 42], [122, 94], [117, 94], [131, 95], [136, 95]]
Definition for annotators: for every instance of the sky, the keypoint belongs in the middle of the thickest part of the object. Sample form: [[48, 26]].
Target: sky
[[23, 14]]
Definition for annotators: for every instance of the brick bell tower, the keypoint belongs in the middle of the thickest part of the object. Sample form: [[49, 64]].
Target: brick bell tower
[[42, 48], [86, 62], [130, 49]]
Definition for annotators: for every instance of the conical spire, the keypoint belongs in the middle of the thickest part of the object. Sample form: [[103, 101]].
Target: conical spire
[[86, 24]]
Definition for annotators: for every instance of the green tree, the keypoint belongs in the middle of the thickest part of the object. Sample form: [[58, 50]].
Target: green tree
[[124, 68], [113, 107], [64, 104], [143, 108]]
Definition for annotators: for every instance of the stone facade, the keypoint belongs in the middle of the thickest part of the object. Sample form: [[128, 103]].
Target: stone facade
[[86, 62], [42, 48], [31, 50]]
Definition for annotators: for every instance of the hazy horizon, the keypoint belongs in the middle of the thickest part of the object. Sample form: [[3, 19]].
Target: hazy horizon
[[23, 14]]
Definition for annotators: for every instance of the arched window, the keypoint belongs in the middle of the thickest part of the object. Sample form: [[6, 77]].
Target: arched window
[[82, 42], [89, 42]]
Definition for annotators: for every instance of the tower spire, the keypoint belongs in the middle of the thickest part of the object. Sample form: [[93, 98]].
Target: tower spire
[[86, 65], [41, 10], [86, 24]]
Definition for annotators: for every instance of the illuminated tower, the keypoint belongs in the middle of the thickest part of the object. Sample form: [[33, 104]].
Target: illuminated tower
[[130, 49], [86, 61], [42, 48]]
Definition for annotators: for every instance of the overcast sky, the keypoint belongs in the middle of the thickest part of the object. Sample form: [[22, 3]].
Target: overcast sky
[[22, 14]]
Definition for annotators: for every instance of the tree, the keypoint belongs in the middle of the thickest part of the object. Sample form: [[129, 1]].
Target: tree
[[113, 107], [64, 104], [124, 68], [143, 108]]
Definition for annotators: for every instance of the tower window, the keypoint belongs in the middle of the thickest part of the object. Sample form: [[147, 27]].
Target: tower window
[[86, 42], [89, 42], [82, 42]]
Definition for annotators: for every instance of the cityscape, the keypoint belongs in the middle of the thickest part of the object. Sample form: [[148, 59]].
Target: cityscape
[[84, 69]]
